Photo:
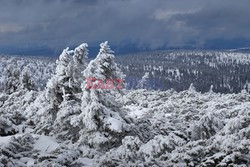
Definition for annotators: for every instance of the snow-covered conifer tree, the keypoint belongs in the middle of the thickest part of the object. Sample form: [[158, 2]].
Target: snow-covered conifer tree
[[191, 88], [79, 65], [26, 80], [211, 89], [71, 106], [104, 124], [144, 83], [12, 79], [68, 78], [58, 89], [6, 126], [61, 98], [59, 86], [16, 80]]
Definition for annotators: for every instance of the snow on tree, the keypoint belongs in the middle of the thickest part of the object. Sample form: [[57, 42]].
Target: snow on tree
[[191, 88], [211, 89], [144, 83], [18, 94], [62, 127], [67, 80], [79, 65], [207, 126], [12, 110], [58, 87], [61, 97], [102, 118], [46, 106], [26, 80], [17, 151], [16, 80], [12, 80], [6, 126], [126, 154]]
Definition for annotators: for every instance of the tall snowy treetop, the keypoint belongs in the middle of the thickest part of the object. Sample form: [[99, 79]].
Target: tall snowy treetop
[[63, 62], [65, 56], [105, 48], [81, 52]]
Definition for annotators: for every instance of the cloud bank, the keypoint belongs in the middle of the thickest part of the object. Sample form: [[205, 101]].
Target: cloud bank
[[151, 23]]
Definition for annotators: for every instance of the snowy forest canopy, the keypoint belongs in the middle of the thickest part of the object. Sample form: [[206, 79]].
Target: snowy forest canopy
[[49, 118], [226, 72]]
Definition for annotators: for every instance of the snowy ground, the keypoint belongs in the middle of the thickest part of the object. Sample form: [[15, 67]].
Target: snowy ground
[[42, 144], [173, 129]]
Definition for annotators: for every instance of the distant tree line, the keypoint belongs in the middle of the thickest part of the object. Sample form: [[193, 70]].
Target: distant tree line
[[226, 72]]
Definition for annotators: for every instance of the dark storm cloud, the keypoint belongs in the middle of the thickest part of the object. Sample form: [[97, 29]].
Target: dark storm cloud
[[155, 23], [225, 19]]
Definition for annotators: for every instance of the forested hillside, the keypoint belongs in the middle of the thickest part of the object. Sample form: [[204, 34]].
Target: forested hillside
[[228, 72], [225, 72]]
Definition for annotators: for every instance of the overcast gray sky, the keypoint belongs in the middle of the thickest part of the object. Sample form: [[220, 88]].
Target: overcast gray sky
[[153, 23]]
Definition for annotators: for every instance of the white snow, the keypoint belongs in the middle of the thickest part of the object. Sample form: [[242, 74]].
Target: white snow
[[86, 162], [45, 144], [5, 140], [114, 124], [136, 111], [168, 115], [28, 161]]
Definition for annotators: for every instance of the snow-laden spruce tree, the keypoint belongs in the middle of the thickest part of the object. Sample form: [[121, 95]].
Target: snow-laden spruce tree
[[16, 80], [45, 108], [79, 64], [68, 78], [18, 93], [12, 79], [6, 126], [103, 123], [16, 151], [191, 88], [26, 80], [52, 106], [144, 82], [59, 86]]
